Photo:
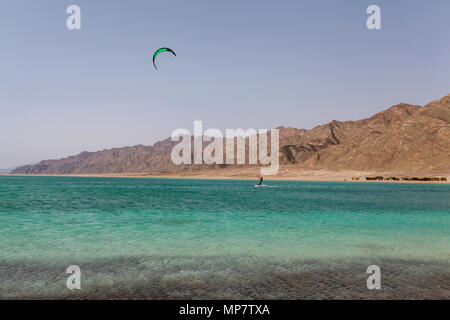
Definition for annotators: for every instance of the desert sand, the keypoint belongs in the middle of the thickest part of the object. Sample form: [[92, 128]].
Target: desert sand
[[286, 172]]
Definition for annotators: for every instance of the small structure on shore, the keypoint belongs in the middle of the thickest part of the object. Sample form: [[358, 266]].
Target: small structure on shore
[[377, 178], [381, 178], [424, 179]]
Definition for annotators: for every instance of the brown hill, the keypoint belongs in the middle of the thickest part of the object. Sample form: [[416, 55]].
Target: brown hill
[[403, 138]]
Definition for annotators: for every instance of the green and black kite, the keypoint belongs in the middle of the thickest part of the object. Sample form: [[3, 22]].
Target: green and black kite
[[159, 51]]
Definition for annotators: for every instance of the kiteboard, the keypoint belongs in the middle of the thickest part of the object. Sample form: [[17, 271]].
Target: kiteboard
[[264, 186]]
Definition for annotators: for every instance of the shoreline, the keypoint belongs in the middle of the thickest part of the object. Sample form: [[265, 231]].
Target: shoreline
[[309, 178]]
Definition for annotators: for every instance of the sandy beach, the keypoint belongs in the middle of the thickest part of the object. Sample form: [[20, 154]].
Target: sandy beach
[[287, 172]]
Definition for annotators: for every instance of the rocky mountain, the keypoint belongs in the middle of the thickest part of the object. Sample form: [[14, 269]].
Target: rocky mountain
[[403, 138]]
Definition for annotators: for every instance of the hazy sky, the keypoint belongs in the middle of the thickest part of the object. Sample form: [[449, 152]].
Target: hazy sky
[[240, 64]]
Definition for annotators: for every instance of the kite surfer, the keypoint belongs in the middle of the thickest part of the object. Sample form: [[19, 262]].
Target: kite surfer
[[260, 181]]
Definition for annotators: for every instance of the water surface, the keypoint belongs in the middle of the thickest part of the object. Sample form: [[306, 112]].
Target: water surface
[[182, 228]]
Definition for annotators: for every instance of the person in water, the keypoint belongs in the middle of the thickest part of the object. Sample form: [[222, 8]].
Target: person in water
[[260, 181]]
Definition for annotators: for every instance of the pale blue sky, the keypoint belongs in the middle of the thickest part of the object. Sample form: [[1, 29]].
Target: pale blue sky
[[240, 64]]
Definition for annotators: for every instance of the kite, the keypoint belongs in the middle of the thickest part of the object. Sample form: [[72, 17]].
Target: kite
[[159, 51]]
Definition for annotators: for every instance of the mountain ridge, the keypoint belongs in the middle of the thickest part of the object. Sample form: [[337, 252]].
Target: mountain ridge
[[403, 137]]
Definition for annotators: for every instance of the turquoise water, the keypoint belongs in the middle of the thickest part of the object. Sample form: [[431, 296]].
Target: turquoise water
[[45, 218], [64, 220]]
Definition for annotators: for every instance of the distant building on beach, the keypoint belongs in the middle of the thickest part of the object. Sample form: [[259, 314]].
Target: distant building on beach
[[381, 178]]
